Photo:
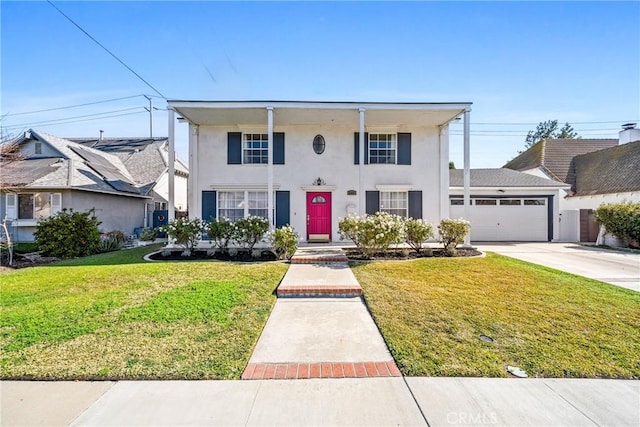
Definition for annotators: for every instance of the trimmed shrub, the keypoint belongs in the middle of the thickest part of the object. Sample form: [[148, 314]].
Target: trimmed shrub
[[452, 233], [374, 233], [69, 234], [250, 231], [222, 232], [184, 232], [620, 219], [417, 232], [284, 242]]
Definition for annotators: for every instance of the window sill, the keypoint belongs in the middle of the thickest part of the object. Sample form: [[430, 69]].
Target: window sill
[[24, 222]]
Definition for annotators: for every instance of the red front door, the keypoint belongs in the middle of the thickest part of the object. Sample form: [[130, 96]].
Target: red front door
[[319, 216]]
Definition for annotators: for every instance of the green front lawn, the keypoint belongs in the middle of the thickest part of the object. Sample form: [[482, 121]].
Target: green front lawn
[[114, 316], [551, 324]]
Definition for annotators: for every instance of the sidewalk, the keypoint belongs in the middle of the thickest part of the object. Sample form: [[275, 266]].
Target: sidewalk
[[321, 361]]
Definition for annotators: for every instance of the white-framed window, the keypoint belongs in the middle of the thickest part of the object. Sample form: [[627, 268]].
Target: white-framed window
[[234, 205], [255, 148], [33, 206], [383, 148], [394, 202]]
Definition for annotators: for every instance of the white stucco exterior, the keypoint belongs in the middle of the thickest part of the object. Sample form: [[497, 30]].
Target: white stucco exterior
[[593, 202], [347, 182]]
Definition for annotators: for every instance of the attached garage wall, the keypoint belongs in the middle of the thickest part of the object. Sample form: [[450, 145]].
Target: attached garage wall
[[513, 218]]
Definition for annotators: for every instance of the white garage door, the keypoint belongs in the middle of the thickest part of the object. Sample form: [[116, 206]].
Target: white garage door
[[513, 219]]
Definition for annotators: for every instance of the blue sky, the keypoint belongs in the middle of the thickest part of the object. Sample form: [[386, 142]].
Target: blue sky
[[518, 62]]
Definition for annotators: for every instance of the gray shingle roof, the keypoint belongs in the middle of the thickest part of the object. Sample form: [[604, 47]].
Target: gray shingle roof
[[145, 158], [554, 156], [500, 178], [79, 167], [613, 170]]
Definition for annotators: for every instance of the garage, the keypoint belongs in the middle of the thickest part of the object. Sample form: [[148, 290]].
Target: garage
[[508, 205], [506, 219]]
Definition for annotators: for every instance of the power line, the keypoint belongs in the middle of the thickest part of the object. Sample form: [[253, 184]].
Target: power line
[[535, 124], [71, 106], [107, 50], [70, 119], [84, 120]]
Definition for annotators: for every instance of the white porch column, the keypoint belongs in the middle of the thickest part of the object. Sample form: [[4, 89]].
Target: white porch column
[[270, 166], [443, 139], [361, 194], [194, 201], [467, 175], [172, 164]]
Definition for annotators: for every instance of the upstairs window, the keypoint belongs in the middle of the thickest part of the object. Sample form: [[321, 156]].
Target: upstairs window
[[255, 148], [382, 148]]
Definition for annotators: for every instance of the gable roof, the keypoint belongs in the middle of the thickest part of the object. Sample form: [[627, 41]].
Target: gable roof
[[554, 156], [146, 158], [76, 167], [502, 178], [613, 170]]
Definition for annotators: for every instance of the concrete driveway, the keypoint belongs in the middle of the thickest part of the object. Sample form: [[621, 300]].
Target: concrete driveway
[[615, 267]]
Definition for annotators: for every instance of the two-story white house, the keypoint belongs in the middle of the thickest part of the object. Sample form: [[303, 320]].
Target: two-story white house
[[307, 164]]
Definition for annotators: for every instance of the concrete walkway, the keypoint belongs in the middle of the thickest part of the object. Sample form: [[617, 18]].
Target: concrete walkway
[[610, 266], [321, 361]]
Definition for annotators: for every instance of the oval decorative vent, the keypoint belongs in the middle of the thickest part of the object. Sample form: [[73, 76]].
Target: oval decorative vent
[[318, 144]]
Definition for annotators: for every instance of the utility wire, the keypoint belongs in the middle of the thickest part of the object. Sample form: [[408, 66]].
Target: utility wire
[[534, 124], [70, 106], [84, 120], [107, 50], [70, 119]]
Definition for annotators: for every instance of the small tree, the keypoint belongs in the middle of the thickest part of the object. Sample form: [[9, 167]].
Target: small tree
[[69, 234], [184, 232], [452, 233], [417, 232]]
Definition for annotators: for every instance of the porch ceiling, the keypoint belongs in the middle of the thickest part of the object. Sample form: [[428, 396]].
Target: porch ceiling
[[317, 113]]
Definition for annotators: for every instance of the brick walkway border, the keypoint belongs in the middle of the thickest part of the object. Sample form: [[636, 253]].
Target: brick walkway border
[[293, 371]]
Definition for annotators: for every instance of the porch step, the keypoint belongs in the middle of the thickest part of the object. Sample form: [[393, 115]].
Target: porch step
[[319, 256], [319, 279]]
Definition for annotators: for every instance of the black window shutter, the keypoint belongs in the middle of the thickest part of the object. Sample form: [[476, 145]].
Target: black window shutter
[[372, 204], [278, 148], [282, 208], [404, 148], [234, 148], [415, 204], [356, 148], [208, 205]]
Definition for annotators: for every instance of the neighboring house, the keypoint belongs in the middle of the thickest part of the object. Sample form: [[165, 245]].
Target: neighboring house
[[308, 164], [508, 205], [147, 160], [59, 174], [597, 170]]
